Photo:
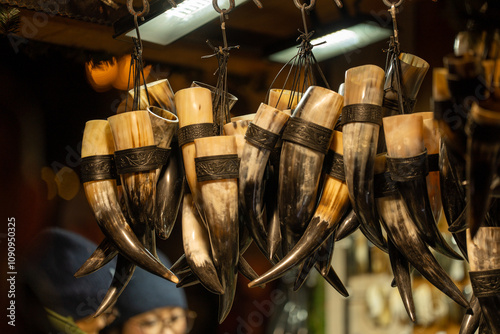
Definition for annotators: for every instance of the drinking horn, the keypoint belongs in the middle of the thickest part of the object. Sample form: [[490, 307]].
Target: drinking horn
[[402, 277], [399, 264], [470, 322], [305, 143], [194, 110], [261, 137], [431, 142], [484, 273], [100, 190], [413, 71], [407, 239], [197, 247], [361, 119], [136, 159], [349, 225], [286, 101], [217, 167], [104, 253], [332, 206], [219, 105], [122, 275], [483, 147], [407, 164], [169, 186]]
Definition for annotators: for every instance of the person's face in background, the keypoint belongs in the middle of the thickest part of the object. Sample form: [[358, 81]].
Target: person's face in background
[[166, 320]]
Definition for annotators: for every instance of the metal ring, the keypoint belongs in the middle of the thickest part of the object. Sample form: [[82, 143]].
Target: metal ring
[[223, 11], [145, 8], [307, 8], [395, 4]]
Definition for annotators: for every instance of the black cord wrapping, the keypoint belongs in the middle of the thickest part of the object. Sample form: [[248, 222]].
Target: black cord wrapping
[[302, 67], [137, 71], [220, 103]]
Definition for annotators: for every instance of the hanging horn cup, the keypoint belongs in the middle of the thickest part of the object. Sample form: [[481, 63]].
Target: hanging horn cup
[[407, 238], [331, 208], [101, 194], [305, 143], [260, 140], [361, 119], [136, 162], [194, 109], [169, 187], [432, 142], [484, 259], [217, 167], [483, 147], [407, 164], [197, 247]]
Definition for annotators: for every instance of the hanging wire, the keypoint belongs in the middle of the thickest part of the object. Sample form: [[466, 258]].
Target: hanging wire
[[136, 64], [303, 64], [220, 103], [393, 61]]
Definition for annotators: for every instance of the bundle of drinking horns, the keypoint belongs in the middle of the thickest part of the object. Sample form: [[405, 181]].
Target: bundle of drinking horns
[[306, 170]]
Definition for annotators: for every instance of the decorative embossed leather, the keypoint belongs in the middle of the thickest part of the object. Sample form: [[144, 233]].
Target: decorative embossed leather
[[334, 165], [139, 159], [485, 283], [362, 112], [217, 167], [187, 134], [98, 167], [261, 137], [407, 169], [384, 185], [308, 134]]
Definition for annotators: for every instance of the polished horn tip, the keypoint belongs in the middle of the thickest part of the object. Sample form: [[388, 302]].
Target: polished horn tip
[[168, 275]]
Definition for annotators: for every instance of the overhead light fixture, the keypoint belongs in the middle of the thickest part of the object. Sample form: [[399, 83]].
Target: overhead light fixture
[[338, 42], [164, 24]]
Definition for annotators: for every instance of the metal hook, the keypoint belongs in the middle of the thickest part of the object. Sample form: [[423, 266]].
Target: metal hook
[[223, 11], [307, 8], [145, 8]]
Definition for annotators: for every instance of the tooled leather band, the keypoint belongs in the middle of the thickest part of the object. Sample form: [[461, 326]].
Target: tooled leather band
[[308, 134], [98, 167], [217, 167], [433, 162], [140, 159], [261, 137], [407, 169], [162, 155], [362, 112], [485, 283], [384, 185], [334, 165], [187, 134]]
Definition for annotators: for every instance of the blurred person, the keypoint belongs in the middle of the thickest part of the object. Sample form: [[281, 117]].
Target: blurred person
[[54, 300], [152, 305]]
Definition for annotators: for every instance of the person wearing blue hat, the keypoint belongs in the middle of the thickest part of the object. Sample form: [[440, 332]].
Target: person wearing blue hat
[[68, 303], [152, 305]]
